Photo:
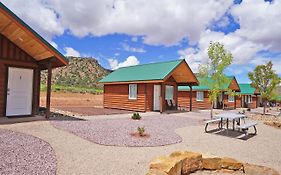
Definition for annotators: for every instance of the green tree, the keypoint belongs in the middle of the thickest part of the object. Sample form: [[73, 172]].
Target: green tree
[[212, 74], [266, 81]]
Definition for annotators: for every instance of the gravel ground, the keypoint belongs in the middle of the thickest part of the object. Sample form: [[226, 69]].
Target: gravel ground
[[25, 154], [76, 155], [117, 132]]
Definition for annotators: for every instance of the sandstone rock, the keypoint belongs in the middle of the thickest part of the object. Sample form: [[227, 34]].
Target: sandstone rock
[[169, 165], [213, 163], [156, 172], [191, 161], [231, 164], [259, 170]]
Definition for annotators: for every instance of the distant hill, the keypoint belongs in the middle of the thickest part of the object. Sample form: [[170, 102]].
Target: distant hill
[[80, 72]]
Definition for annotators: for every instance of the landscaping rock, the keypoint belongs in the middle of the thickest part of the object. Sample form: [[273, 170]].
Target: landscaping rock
[[259, 170], [231, 164], [169, 165], [212, 163], [191, 161], [156, 172]]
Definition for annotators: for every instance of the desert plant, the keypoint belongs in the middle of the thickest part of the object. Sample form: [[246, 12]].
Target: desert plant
[[249, 109], [141, 131], [136, 116]]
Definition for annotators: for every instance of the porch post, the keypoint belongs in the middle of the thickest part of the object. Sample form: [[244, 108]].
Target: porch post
[[257, 101], [49, 84], [234, 101], [161, 98], [190, 98]]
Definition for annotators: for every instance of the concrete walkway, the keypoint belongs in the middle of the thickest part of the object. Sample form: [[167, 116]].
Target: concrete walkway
[[78, 156]]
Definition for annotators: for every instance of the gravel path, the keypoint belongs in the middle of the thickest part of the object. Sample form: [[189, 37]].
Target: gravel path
[[117, 132], [25, 154]]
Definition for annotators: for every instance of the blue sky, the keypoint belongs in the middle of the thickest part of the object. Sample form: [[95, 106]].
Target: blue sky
[[121, 33]]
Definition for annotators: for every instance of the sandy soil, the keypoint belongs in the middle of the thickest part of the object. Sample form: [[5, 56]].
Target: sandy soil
[[76, 155], [60, 99]]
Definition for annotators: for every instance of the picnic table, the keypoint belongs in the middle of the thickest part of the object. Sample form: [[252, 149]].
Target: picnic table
[[230, 116], [235, 118]]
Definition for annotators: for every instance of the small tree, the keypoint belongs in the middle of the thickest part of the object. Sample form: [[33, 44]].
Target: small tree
[[212, 74], [266, 81]]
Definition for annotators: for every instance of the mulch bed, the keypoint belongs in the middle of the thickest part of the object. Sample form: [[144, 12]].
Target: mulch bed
[[93, 110], [117, 132], [25, 154]]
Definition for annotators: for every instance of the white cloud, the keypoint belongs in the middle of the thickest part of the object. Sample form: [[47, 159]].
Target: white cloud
[[38, 15], [168, 25], [128, 48], [259, 22], [69, 51], [130, 61], [135, 39], [54, 44]]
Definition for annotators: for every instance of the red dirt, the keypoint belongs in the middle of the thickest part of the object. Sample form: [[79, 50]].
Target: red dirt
[[84, 104]]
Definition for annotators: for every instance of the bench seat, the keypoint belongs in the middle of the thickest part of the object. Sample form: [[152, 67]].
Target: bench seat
[[245, 127]]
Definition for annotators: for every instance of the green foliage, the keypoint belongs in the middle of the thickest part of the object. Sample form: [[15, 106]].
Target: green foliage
[[141, 131], [266, 81], [136, 116], [212, 73], [73, 89]]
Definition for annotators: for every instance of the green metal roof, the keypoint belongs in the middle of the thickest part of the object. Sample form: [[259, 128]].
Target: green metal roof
[[144, 72], [204, 87], [247, 89], [32, 31]]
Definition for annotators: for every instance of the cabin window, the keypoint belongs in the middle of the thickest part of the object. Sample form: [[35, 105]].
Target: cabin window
[[169, 95], [133, 90], [230, 98], [249, 99], [199, 96]]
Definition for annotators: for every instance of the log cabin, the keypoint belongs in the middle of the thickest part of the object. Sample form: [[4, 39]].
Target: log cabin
[[23, 54], [249, 97], [198, 96], [147, 87]]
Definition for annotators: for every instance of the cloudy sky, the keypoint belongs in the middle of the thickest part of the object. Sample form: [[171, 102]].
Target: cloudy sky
[[128, 32]]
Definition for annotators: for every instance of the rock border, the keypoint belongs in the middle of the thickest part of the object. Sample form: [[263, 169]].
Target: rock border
[[185, 163]]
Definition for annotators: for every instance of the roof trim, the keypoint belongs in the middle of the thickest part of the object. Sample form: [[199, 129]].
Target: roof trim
[[36, 36]]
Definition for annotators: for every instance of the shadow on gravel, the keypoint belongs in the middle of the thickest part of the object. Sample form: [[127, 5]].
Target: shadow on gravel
[[58, 116]]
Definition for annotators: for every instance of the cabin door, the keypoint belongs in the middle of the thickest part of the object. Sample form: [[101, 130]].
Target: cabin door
[[156, 97], [19, 92]]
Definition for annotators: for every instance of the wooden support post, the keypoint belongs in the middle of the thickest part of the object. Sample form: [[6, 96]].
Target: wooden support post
[[257, 101], [234, 101], [162, 98], [190, 98], [49, 88]]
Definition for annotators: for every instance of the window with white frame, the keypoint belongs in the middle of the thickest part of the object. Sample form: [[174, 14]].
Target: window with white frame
[[133, 91], [249, 99], [199, 96], [230, 98], [169, 92]]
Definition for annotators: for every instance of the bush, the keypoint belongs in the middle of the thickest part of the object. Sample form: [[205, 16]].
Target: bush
[[249, 109], [136, 116], [141, 131]]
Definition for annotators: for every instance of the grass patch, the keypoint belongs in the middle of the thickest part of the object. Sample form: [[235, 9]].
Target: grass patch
[[72, 89]]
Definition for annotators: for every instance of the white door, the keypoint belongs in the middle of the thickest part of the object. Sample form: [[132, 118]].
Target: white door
[[19, 92], [156, 97]]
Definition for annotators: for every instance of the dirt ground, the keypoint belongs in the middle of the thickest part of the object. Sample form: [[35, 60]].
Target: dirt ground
[[84, 104], [61, 99]]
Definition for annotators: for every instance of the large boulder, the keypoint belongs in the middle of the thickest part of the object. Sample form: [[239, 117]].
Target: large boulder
[[168, 165], [231, 164], [259, 170], [212, 163], [191, 161], [156, 172]]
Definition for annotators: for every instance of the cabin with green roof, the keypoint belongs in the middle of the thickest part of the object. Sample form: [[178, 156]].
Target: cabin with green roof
[[198, 97], [249, 96], [147, 87]]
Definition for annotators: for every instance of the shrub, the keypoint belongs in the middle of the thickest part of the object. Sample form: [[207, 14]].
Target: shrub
[[136, 116], [141, 131], [249, 109]]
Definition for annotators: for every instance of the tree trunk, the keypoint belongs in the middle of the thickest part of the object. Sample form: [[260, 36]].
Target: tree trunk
[[264, 106], [212, 106]]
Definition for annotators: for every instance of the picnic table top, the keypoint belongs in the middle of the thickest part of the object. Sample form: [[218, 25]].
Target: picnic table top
[[230, 116]]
